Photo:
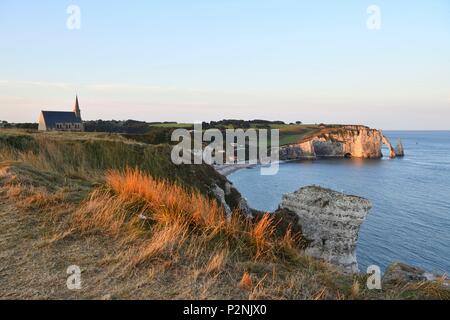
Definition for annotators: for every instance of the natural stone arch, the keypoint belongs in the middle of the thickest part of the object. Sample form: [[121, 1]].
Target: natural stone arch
[[385, 141]]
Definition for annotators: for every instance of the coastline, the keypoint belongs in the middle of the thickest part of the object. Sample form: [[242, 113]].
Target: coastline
[[227, 169]]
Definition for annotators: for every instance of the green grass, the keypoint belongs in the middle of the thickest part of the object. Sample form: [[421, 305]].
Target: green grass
[[291, 134]]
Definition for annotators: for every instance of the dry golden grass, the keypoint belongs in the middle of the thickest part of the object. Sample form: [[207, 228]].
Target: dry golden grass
[[355, 290], [320, 295], [432, 290], [33, 190], [163, 216], [167, 240], [246, 281], [217, 261], [262, 234], [41, 199], [165, 202]]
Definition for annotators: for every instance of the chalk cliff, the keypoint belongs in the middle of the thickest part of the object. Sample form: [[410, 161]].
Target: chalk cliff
[[330, 221], [339, 142], [230, 199]]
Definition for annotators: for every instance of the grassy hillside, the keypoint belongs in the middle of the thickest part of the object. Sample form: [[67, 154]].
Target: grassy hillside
[[88, 155], [289, 133], [140, 227], [292, 134]]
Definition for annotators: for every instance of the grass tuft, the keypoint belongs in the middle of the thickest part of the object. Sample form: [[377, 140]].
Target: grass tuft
[[217, 262], [262, 235], [246, 281]]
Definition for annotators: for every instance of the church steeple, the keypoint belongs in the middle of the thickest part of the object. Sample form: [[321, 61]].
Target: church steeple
[[76, 109]]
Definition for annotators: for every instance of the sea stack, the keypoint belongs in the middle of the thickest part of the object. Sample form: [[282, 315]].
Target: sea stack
[[400, 151], [330, 220]]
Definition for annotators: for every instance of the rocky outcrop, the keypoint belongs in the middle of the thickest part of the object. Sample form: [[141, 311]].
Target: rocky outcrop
[[219, 194], [330, 221], [402, 273], [386, 141], [339, 142], [400, 151], [230, 199]]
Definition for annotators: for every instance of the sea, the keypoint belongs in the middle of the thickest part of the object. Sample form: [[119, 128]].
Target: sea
[[410, 218]]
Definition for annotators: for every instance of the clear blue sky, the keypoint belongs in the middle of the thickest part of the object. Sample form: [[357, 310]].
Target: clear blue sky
[[314, 61]]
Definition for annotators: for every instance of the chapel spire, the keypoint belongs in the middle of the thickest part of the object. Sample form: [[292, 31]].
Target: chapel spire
[[76, 109]]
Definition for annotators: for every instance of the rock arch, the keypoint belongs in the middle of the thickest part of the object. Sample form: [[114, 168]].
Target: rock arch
[[342, 142], [385, 141]]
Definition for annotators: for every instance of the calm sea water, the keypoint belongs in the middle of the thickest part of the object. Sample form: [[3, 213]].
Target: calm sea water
[[410, 219]]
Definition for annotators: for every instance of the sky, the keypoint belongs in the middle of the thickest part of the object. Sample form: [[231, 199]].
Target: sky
[[202, 60]]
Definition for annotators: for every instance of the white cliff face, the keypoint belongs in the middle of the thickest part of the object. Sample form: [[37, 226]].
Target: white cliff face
[[239, 202], [331, 221], [345, 141], [304, 150], [219, 193]]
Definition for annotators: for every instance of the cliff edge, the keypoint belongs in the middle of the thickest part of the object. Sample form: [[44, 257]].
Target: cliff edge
[[340, 142]]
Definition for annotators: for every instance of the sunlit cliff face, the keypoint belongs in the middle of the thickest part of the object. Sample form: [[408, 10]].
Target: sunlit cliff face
[[345, 142]]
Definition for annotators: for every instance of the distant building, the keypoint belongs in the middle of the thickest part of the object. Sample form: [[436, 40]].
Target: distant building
[[61, 120]]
